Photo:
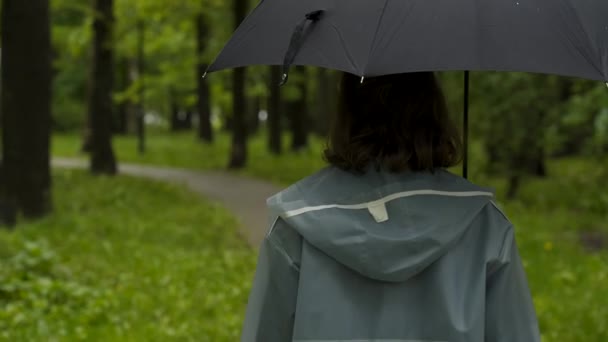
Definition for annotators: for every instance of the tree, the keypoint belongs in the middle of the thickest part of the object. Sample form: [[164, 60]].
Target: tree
[[274, 111], [141, 112], [121, 125], [298, 111], [323, 108], [72, 46], [254, 106], [515, 126], [26, 108], [574, 131], [238, 155], [101, 86], [181, 118], [205, 131]]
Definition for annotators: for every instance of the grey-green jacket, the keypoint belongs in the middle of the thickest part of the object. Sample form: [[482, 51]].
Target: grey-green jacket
[[414, 257]]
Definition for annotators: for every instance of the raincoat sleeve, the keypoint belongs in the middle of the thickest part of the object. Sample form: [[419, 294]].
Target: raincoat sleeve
[[271, 309], [510, 314]]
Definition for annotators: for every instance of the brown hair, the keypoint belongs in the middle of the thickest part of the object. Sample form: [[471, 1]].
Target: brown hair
[[396, 123]]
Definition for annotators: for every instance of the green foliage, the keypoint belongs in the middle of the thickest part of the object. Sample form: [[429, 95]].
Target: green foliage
[[169, 52], [170, 57], [586, 117], [38, 297], [568, 282], [576, 186], [517, 117], [129, 260], [520, 118], [71, 36], [169, 47], [601, 131], [185, 151], [512, 117]]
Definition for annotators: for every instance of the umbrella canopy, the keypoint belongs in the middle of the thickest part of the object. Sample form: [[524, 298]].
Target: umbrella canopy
[[379, 37], [373, 38]]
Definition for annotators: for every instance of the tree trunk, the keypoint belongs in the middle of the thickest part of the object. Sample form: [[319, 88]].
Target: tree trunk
[[175, 125], [513, 184], [299, 114], [101, 86], [539, 167], [186, 122], [86, 136], [122, 115], [141, 112], [238, 157], [26, 109], [181, 120], [8, 205], [133, 107], [253, 111], [227, 124], [274, 111], [205, 130], [324, 111], [532, 149]]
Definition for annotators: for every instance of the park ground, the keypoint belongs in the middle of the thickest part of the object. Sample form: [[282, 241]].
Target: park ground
[[128, 259]]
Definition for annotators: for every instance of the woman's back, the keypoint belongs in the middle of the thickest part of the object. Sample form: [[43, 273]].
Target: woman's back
[[385, 245], [391, 257]]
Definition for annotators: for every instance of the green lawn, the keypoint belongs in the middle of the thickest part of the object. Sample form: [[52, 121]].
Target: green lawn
[[124, 260], [569, 282], [569, 279], [184, 151]]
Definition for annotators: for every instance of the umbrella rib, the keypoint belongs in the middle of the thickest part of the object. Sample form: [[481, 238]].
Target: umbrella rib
[[351, 60], [585, 30], [371, 48]]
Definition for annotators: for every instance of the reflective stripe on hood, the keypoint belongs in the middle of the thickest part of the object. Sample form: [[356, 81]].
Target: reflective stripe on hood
[[384, 226]]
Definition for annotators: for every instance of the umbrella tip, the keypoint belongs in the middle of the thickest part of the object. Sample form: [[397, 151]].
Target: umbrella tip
[[284, 79], [205, 75], [362, 79]]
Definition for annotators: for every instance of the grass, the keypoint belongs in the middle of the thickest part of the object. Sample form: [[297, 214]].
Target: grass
[[569, 283], [182, 150], [124, 259]]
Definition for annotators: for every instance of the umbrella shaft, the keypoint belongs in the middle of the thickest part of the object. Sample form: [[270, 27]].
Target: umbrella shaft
[[465, 128]]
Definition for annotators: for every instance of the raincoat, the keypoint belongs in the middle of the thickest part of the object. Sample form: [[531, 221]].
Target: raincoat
[[382, 257]]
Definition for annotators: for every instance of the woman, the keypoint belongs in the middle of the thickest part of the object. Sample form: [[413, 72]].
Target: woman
[[385, 244]]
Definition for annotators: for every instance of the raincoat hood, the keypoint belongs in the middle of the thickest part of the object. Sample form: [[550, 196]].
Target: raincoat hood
[[387, 227]]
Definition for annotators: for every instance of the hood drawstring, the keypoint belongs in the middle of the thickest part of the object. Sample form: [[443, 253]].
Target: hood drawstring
[[297, 38]]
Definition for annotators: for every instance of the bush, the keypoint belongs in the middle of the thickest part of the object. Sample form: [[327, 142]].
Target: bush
[[38, 297], [131, 260]]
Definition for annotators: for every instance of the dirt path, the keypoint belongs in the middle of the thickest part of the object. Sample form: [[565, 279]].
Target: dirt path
[[244, 197]]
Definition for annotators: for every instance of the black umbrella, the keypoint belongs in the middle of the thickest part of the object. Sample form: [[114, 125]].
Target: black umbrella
[[378, 37]]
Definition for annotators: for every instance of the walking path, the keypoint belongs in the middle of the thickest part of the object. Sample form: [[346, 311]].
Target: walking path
[[244, 197]]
